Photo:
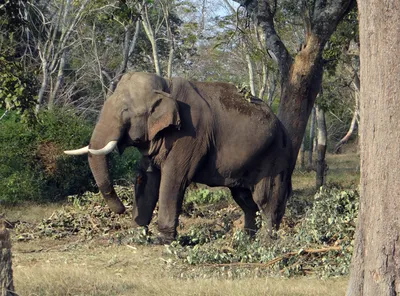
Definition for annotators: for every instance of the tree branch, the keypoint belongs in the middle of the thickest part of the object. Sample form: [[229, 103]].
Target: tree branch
[[326, 16], [263, 13], [277, 259]]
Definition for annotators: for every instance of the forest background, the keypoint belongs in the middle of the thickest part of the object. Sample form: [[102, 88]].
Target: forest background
[[59, 61]]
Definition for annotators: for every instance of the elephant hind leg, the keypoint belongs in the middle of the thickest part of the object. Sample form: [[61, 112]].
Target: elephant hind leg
[[244, 199]]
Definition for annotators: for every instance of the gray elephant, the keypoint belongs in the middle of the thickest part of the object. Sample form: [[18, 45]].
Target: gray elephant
[[203, 132]]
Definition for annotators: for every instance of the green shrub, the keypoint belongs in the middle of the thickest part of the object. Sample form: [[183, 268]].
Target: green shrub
[[316, 237], [33, 166], [18, 87], [331, 218], [122, 168], [203, 196]]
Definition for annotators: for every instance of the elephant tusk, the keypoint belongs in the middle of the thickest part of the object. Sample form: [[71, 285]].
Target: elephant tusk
[[105, 150], [83, 150]]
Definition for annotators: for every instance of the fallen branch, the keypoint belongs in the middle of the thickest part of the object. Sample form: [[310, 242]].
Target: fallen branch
[[277, 259]]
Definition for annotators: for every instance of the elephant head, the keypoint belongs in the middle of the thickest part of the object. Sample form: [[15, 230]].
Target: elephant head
[[135, 115]]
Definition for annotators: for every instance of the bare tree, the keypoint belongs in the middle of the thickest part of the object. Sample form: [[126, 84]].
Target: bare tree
[[166, 6], [376, 258], [54, 39], [151, 29], [131, 28]]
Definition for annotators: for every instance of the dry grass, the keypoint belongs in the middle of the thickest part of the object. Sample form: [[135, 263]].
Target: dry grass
[[94, 270], [29, 212], [343, 169]]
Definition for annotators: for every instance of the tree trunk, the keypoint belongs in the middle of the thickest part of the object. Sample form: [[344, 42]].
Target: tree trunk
[[152, 38], [375, 266], [6, 274], [170, 60], [312, 136], [60, 77], [251, 74], [264, 80], [156, 60], [134, 38], [171, 43], [311, 144], [43, 86], [321, 148], [300, 89], [271, 89]]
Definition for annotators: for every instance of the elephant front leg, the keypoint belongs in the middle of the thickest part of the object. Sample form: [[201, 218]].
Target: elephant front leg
[[244, 199], [172, 189], [147, 184]]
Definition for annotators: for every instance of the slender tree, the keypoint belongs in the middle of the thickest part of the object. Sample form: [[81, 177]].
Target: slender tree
[[375, 266], [320, 164], [312, 138]]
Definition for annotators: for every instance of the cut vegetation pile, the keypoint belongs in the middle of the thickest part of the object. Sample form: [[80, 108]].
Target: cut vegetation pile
[[315, 236]]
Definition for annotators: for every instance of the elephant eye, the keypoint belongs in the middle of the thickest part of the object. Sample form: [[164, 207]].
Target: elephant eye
[[155, 105]]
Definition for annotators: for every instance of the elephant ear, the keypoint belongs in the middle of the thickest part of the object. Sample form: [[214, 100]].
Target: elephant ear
[[163, 113]]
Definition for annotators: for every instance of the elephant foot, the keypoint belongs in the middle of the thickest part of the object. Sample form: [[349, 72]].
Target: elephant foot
[[251, 232], [164, 239], [136, 223]]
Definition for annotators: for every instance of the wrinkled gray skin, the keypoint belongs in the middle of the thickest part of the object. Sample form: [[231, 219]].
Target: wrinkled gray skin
[[194, 132]]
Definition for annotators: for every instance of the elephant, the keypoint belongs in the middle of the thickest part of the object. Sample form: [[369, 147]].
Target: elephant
[[190, 131]]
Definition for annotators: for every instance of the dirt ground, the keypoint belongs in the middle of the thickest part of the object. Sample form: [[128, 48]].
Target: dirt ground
[[48, 267]]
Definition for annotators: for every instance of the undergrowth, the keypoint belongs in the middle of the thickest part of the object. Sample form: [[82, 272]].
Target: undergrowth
[[316, 235], [33, 166]]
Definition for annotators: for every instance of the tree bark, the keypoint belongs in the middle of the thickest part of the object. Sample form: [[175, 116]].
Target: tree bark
[[321, 148], [375, 268], [6, 274]]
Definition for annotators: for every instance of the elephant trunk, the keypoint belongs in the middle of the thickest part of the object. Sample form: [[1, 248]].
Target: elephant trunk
[[99, 166], [103, 134]]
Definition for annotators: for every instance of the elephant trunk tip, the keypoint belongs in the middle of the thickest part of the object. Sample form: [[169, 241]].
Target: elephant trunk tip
[[115, 205]]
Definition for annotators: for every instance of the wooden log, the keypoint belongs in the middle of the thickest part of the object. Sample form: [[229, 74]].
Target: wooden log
[[6, 275]]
